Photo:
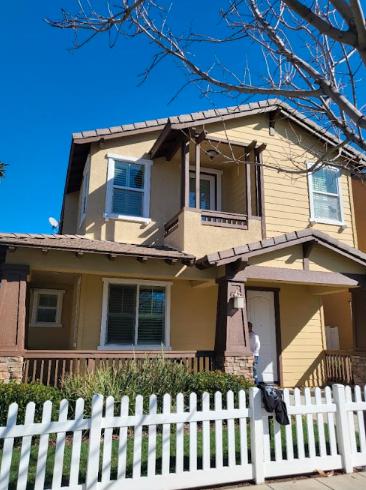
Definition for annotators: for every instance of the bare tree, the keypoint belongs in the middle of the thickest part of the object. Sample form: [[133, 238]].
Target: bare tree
[[313, 52]]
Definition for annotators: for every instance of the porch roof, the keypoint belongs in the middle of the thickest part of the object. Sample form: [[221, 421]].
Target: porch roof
[[245, 252], [80, 244]]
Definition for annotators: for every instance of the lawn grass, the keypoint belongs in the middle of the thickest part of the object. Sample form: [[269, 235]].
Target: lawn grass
[[130, 442]]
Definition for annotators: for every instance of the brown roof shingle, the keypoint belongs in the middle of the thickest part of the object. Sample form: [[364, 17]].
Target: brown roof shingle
[[79, 243]]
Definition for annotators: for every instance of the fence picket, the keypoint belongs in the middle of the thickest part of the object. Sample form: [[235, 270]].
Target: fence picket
[[231, 430], [179, 453], [122, 444], [336, 407], [351, 420], [60, 447], [137, 439], [43, 448], [310, 424], [299, 427], [95, 434], [206, 432], [243, 430], [360, 421], [8, 448], [166, 437], [25, 451], [76, 444], [320, 420], [151, 458], [107, 441], [331, 424], [192, 434], [218, 432], [288, 429]]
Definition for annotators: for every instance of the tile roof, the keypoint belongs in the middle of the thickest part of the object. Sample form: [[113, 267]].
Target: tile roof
[[79, 243], [212, 114], [244, 252]]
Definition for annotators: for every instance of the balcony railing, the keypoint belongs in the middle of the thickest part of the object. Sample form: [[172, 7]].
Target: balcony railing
[[221, 218], [50, 367]]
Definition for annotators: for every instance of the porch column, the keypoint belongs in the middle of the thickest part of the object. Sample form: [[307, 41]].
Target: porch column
[[185, 174], [359, 334], [198, 174], [12, 320], [232, 352]]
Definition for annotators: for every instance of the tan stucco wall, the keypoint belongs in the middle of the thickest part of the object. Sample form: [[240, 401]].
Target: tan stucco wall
[[193, 315], [337, 313], [302, 336], [51, 337], [195, 238], [71, 213], [286, 195]]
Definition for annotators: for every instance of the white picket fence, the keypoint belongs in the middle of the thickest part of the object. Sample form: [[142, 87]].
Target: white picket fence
[[183, 444]]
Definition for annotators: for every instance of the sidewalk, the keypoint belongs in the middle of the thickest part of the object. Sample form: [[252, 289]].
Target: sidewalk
[[339, 482]]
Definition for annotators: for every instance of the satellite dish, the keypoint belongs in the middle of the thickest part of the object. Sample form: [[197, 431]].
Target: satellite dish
[[53, 222]]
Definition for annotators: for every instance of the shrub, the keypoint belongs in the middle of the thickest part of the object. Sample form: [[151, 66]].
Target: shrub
[[22, 394], [212, 381]]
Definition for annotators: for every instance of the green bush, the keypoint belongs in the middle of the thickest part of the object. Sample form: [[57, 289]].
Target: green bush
[[22, 394], [212, 381]]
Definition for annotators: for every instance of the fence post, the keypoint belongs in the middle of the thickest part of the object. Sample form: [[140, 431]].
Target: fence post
[[342, 428], [95, 434], [256, 434]]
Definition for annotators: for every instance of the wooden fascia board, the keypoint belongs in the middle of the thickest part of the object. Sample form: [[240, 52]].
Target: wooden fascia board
[[160, 140], [287, 275]]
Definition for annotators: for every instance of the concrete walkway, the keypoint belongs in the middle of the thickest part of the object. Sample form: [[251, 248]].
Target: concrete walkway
[[338, 482]]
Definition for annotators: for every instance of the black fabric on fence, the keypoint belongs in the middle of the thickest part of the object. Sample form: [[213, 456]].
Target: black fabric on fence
[[273, 402]]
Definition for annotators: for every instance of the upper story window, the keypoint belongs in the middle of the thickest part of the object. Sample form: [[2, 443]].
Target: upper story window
[[128, 188], [325, 196], [135, 314], [46, 307], [210, 189]]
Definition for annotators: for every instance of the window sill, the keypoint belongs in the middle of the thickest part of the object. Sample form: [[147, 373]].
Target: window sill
[[122, 217], [136, 348], [45, 325], [328, 222]]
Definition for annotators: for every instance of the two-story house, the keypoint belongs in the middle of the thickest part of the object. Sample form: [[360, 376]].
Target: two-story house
[[177, 232]]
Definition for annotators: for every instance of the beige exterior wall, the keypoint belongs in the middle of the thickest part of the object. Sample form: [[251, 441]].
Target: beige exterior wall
[[302, 336], [71, 213], [286, 195], [192, 328], [337, 313], [191, 236], [359, 200]]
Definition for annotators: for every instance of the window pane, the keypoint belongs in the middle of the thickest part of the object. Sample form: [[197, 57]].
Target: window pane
[[121, 314], [46, 315], [136, 176], [47, 300], [121, 174], [326, 180], [205, 197], [151, 316], [327, 207], [127, 202]]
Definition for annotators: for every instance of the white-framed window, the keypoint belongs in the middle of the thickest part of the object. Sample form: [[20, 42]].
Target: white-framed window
[[46, 308], [135, 314], [128, 188], [84, 192], [210, 188], [325, 196]]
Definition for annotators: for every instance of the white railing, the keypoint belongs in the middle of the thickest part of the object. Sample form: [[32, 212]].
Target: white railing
[[182, 443]]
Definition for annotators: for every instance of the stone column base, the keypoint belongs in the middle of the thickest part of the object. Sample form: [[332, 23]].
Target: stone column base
[[11, 368], [239, 365], [359, 368]]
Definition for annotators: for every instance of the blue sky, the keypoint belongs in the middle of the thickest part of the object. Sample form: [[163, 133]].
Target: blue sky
[[47, 91]]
